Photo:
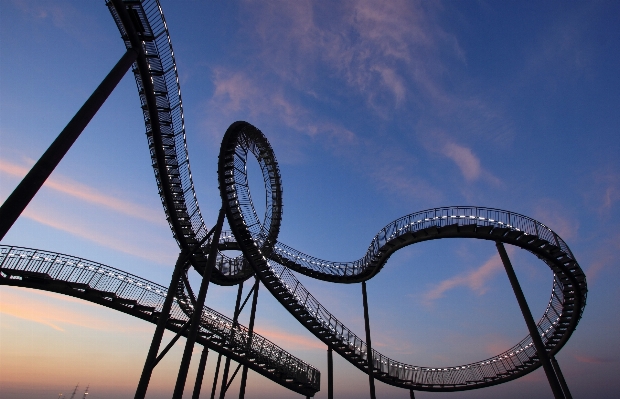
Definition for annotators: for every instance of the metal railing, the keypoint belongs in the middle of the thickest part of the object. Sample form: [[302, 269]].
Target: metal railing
[[512, 360], [183, 208], [137, 293], [163, 73], [437, 217]]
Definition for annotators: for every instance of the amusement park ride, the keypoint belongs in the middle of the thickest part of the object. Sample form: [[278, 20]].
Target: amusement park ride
[[180, 309]]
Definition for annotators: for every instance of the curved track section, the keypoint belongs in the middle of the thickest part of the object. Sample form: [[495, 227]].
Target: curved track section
[[157, 79], [138, 297], [555, 326], [158, 86]]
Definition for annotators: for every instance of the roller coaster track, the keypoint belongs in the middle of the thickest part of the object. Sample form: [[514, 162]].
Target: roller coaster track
[[143, 28], [272, 260], [127, 293]]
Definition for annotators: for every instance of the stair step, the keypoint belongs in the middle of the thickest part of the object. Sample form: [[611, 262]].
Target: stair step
[[126, 302], [144, 309], [79, 286], [26, 274], [484, 229]]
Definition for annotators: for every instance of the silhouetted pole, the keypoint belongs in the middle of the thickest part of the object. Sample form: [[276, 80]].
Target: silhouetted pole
[[411, 394], [232, 335], [244, 374], [330, 374], [36, 177], [217, 375], [558, 372], [197, 315], [531, 325], [201, 372], [147, 371], [371, 378]]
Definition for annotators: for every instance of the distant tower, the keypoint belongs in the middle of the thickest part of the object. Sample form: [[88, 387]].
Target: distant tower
[[75, 390], [86, 392]]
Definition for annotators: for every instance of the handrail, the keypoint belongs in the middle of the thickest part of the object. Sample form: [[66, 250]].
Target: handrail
[[131, 292]]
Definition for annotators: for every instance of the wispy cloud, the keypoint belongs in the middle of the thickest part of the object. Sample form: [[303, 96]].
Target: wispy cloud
[[604, 256], [603, 189], [593, 359], [53, 310], [88, 194], [237, 91], [164, 254], [378, 49], [463, 157], [475, 280]]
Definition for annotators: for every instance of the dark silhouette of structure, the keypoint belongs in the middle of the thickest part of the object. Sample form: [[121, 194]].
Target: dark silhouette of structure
[[135, 296], [148, 48]]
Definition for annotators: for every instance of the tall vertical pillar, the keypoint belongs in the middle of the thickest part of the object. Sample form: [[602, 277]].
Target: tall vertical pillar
[[330, 374], [558, 372], [371, 378], [541, 351], [147, 370], [232, 332], [244, 374], [197, 315], [201, 372], [217, 375]]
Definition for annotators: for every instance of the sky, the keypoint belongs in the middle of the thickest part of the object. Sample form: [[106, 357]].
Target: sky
[[375, 110]]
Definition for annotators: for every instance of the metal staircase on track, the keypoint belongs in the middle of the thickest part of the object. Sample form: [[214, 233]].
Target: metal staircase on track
[[141, 298], [159, 91]]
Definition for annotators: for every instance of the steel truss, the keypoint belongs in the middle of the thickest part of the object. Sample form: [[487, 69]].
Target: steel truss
[[144, 31], [133, 295], [263, 252]]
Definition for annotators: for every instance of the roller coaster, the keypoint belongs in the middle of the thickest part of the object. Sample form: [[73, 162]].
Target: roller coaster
[[145, 34]]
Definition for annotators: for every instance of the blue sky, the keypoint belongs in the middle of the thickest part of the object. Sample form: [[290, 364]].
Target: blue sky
[[374, 111]]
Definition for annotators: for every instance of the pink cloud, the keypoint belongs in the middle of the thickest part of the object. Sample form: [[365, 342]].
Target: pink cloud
[[464, 159], [603, 257], [237, 92], [51, 310], [494, 345], [376, 48], [475, 280], [88, 194], [593, 359], [607, 191], [163, 255]]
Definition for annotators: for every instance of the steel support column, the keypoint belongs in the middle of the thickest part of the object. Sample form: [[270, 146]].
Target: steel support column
[[201, 372], [330, 374], [217, 375], [36, 177], [558, 372], [197, 316], [244, 374], [531, 325], [411, 394], [224, 387], [371, 378], [151, 357]]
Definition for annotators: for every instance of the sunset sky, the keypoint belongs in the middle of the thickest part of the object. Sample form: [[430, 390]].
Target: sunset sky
[[375, 110]]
